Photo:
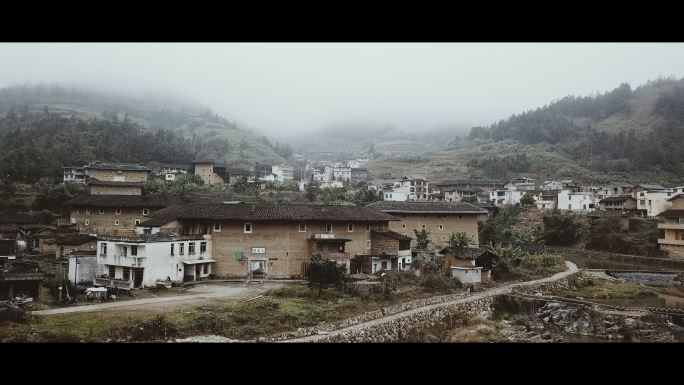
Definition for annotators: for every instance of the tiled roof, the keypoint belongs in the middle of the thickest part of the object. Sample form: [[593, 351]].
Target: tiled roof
[[427, 207], [124, 201], [7, 217], [77, 239], [119, 166], [616, 199], [95, 181], [392, 234], [672, 213], [255, 212]]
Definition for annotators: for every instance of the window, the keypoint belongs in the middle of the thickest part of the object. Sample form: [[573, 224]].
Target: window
[[460, 217], [72, 220], [327, 248], [116, 222], [180, 248], [137, 221], [103, 249], [205, 269], [641, 194], [440, 227], [126, 273], [112, 271], [217, 226], [134, 250], [403, 226], [328, 227], [384, 265], [87, 222], [248, 227], [118, 211], [681, 221], [367, 226], [101, 211], [87, 211], [191, 248], [368, 244], [302, 227], [423, 226], [125, 251], [643, 202], [172, 248], [350, 227], [146, 212], [203, 247]]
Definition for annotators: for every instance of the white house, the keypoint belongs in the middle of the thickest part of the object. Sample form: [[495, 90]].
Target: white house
[[131, 262], [580, 202]]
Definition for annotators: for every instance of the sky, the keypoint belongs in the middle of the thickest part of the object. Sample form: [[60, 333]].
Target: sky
[[282, 89]]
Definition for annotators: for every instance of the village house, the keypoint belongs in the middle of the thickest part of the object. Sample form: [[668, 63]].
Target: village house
[[439, 218], [652, 199], [548, 199], [580, 202], [97, 187], [614, 189], [389, 251], [418, 187], [469, 264], [521, 183], [19, 278], [673, 227], [212, 172], [109, 214], [190, 242], [618, 203]]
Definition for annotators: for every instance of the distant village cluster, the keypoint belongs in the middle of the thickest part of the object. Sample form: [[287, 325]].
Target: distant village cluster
[[116, 237]]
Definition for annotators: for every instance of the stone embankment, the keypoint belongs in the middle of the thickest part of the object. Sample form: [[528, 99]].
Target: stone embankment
[[394, 323]]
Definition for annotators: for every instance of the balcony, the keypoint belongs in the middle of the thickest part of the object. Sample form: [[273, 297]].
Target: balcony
[[671, 226], [113, 283], [122, 260], [671, 242]]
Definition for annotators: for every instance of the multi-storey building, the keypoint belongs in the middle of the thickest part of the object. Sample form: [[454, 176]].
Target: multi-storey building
[[439, 218], [191, 241], [673, 227]]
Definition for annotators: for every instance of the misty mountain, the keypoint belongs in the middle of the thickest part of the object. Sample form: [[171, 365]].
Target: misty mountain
[[45, 128], [621, 135]]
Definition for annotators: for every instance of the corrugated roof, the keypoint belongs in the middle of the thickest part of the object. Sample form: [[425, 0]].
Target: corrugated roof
[[427, 207]]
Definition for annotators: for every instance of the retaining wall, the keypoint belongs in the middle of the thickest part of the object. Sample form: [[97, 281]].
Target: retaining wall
[[393, 324]]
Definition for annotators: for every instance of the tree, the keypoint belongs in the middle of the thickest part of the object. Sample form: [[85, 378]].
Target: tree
[[460, 239], [422, 238], [560, 229], [312, 191], [527, 200], [324, 273]]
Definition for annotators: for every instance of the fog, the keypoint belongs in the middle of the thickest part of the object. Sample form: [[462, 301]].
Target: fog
[[287, 88]]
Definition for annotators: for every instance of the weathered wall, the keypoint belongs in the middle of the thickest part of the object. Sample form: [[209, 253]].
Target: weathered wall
[[449, 223]]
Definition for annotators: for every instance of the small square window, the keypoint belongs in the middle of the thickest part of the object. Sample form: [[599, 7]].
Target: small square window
[[118, 211], [440, 227], [403, 226], [217, 226], [302, 227], [368, 244], [248, 227], [87, 222], [423, 226], [116, 222], [72, 220], [368, 227], [137, 221], [101, 211], [87, 211], [146, 211], [350, 227], [328, 227]]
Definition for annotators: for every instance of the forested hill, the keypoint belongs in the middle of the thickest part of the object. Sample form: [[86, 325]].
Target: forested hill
[[45, 128], [623, 130]]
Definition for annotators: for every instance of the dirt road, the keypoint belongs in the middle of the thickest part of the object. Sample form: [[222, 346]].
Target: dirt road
[[195, 296]]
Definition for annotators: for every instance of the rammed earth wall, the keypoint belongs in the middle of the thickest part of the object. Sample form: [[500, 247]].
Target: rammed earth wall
[[393, 324]]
